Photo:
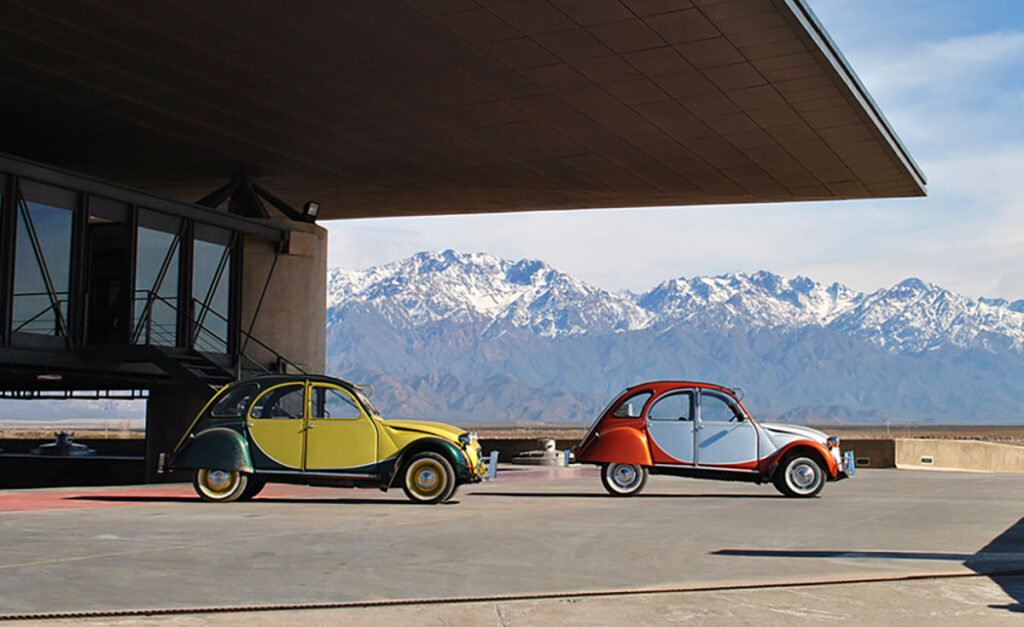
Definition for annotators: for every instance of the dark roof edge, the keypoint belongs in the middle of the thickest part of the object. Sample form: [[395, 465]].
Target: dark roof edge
[[83, 183], [817, 32]]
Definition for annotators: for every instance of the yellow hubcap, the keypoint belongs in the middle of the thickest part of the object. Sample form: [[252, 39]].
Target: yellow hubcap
[[428, 478], [218, 482]]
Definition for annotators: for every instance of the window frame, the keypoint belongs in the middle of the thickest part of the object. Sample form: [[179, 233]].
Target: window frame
[[690, 392]]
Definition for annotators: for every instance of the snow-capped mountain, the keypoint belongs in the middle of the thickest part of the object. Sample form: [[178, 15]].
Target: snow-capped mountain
[[472, 288], [496, 294], [475, 339]]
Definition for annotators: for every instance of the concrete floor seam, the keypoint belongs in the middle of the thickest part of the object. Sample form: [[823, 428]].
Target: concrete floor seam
[[500, 598]]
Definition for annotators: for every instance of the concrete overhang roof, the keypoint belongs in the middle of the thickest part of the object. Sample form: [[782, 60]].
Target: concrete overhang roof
[[416, 107]]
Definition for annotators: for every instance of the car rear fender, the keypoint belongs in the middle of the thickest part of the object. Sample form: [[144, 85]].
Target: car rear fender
[[219, 447], [450, 451], [805, 447], [620, 445]]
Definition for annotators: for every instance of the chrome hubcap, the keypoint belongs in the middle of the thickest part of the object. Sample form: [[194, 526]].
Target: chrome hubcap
[[426, 479], [218, 479], [624, 476], [803, 476]]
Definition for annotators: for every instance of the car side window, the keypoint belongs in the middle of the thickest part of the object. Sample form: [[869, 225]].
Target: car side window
[[333, 403], [282, 402], [674, 406], [715, 408], [235, 402], [632, 407]]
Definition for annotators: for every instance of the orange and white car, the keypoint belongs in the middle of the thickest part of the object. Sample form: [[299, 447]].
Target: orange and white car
[[692, 429]]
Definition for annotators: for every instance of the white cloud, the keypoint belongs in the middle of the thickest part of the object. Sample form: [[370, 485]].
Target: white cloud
[[953, 64]]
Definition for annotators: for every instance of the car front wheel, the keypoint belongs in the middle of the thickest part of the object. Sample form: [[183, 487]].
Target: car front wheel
[[221, 486], [428, 478], [623, 479], [800, 476]]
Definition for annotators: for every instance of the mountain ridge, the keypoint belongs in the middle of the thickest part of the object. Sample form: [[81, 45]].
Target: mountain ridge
[[794, 342]]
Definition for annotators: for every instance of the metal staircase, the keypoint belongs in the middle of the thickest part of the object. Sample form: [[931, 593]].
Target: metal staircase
[[209, 362]]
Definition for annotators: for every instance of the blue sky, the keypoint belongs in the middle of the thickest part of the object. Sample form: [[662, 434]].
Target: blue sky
[[948, 74]]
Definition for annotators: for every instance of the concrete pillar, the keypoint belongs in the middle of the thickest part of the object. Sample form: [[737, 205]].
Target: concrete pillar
[[170, 410], [293, 317]]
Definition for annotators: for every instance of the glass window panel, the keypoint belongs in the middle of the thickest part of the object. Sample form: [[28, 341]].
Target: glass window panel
[[156, 300], [633, 406], [673, 407], [43, 247], [331, 403], [286, 401], [212, 323], [235, 402], [714, 408]]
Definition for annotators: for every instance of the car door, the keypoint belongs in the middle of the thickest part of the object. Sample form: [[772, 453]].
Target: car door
[[277, 424], [670, 427], [340, 435], [725, 436]]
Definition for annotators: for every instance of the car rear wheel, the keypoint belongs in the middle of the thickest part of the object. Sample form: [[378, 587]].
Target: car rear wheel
[[428, 478], [800, 476], [221, 486], [254, 486], [623, 479]]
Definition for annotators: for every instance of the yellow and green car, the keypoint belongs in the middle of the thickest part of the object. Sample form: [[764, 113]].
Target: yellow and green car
[[318, 430]]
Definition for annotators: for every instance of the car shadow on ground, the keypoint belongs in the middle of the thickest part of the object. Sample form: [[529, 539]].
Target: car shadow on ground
[[270, 499], [602, 495], [1001, 560]]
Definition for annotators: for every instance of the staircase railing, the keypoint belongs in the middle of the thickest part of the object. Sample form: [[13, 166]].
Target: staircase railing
[[150, 332], [57, 303]]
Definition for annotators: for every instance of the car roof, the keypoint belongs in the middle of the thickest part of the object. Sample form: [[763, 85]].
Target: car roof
[[274, 379], [663, 385]]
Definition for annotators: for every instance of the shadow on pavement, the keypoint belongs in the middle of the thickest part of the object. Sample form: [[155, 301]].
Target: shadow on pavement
[[599, 495], [1001, 560], [271, 499]]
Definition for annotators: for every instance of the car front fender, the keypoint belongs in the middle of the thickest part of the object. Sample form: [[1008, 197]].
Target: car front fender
[[219, 447], [809, 446], [619, 445], [451, 452]]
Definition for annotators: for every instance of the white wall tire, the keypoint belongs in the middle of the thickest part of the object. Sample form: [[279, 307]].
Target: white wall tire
[[219, 486], [254, 486], [428, 478], [623, 479], [800, 476]]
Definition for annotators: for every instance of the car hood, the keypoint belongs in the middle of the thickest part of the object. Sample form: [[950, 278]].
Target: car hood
[[439, 429], [797, 430]]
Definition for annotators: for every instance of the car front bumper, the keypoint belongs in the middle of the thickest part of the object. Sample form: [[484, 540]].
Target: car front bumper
[[487, 467], [847, 466]]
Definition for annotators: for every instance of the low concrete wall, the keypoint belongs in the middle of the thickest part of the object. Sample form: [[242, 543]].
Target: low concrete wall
[[871, 453], [969, 455]]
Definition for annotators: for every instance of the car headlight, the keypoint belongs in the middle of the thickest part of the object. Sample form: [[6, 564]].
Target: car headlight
[[468, 439], [833, 441]]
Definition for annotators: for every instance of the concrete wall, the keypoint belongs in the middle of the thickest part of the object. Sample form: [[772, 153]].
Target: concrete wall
[[967, 455], [293, 317], [871, 453]]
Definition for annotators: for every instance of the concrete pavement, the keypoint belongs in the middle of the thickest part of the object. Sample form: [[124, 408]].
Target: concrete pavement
[[547, 532]]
